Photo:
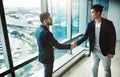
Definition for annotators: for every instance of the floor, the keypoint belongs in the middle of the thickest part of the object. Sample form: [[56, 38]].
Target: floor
[[83, 67]]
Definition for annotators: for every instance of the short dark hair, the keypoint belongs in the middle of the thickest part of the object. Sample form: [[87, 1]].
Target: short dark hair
[[44, 16], [97, 7]]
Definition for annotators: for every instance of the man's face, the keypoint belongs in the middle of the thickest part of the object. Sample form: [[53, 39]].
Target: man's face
[[94, 14], [49, 21]]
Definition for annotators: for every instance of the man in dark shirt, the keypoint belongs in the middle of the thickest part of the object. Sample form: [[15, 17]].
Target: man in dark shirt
[[46, 42]]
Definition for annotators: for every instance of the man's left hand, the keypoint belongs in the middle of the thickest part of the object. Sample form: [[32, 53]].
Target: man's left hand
[[110, 55]]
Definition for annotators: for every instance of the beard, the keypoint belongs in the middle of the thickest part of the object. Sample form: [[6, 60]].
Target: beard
[[49, 23]]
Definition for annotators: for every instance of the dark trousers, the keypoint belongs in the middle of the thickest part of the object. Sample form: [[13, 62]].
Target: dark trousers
[[48, 69]]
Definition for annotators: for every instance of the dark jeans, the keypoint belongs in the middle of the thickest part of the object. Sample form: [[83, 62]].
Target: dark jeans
[[48, 69]]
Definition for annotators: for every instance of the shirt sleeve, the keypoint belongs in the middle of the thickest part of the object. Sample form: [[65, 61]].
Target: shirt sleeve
[[53, 42]]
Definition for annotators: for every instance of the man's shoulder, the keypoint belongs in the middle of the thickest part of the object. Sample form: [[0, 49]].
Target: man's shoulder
[[41, 29], [106, 20], [91, 22]]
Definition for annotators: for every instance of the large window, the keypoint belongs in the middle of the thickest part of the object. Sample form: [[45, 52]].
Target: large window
[[75, 17], [22, 18]]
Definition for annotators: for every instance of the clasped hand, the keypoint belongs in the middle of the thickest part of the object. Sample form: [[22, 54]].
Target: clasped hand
[[73, 45]]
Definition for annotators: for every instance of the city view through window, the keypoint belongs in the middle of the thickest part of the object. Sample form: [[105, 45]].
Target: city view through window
[[22, 19]]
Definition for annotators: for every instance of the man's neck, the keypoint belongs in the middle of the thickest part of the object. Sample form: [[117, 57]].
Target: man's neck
[[98, 20], [46, 25]]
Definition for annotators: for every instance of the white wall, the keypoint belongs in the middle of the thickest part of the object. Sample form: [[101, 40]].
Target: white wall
[[105, 15], [114, 15]]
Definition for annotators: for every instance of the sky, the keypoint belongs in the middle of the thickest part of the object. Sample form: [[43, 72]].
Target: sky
[[21, 3]]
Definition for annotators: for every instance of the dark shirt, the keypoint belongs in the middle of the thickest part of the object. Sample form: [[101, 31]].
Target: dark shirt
[[46, 42]]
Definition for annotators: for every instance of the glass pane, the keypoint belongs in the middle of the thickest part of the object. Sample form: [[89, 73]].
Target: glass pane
[[59, 27], [3, 55], [75, 16], [29, 70], [22, 18]]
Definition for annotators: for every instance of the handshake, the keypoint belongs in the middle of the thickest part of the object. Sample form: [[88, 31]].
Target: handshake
[[73, 45]]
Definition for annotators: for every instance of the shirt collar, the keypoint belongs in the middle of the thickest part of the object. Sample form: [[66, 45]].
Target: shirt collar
[[43, 26]]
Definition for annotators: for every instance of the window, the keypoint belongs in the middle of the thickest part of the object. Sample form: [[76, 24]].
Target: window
[[89, 9], [75, 17], [22, 19]]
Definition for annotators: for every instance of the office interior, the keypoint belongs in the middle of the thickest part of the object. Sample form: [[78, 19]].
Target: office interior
[[18, 48]]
